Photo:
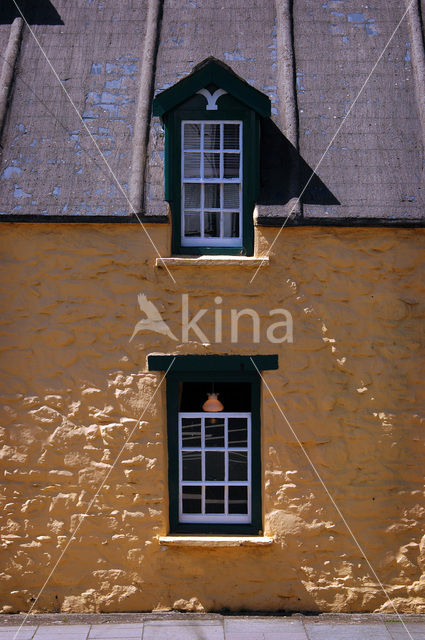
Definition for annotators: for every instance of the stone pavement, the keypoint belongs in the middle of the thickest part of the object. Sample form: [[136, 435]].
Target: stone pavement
[[212, 627]]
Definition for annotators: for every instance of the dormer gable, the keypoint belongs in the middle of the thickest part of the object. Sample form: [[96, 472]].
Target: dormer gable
[[212, 72]]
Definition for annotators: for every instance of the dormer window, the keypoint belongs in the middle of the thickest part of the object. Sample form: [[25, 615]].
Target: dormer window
[[211, 121]]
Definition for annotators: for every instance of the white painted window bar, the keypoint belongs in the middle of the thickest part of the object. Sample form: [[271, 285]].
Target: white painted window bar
[[211, 169], [215, 467]]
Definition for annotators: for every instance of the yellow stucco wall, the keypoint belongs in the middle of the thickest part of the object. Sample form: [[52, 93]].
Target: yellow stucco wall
[[73, 387]]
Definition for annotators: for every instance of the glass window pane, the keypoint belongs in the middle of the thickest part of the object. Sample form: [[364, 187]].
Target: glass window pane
[[192, 469], [191, 432], [192, 136], [238, 465], [214, 465], [192, 499], [212, 196], [214, 432], [231, 225], [238, 500], [237, 433], [192, 165], [231, 196], [231, 165], [212, 225], [212, 165], [231, 136], [192, 196], [214, 499], [192, 225], [212, 136]]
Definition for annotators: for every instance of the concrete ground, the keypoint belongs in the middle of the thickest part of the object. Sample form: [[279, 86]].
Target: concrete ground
[[171, 626]]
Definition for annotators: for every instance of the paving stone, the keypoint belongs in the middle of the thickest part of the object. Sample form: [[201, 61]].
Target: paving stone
[[185, 623], [403, 635], [412, 626], [263, 625], [15, 628], [268, 635], [284, 635], [64, 629], [43, 634], [347, 632], [104, 632], [190, 630], [24, 634], [123, 625], [66, 632]]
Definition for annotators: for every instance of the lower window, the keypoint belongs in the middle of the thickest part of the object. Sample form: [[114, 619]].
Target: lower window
[[214, 455]]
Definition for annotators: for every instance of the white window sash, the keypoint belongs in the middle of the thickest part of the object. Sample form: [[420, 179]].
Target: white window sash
[[202, 240], [225, 518]]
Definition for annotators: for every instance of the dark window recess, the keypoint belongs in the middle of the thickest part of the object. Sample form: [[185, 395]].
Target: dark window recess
[[214, 457]]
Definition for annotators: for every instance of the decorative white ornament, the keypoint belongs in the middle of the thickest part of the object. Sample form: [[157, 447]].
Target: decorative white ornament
[[212, 98]]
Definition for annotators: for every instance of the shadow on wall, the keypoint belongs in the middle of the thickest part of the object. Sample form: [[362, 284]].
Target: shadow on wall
[[35, 12], [284, 174]]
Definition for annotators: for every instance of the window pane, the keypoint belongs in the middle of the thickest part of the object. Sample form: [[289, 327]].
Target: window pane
[[191, 432], [192, 165], [192, 136], [237, 432], [238, 465], [192, 196], [192, 224], [212, 225], [231, 136], [238, 500], [212, 165], [231, 196], [231, 225], [214, 499], [192, 499], [212, 196], [192, 465], [214, 432], [212, 136], [214, 465], [231, 165]]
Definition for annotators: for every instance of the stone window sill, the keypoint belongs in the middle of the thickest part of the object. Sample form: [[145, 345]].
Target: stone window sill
[[215, 541], [212, 261]]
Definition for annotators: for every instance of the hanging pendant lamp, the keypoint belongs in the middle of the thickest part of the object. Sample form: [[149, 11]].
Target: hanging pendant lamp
[[213, 404]]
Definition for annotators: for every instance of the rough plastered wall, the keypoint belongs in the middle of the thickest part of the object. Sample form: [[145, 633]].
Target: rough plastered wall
[[73, 387]]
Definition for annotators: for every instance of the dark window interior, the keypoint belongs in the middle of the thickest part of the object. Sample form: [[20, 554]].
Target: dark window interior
[[235, 396]]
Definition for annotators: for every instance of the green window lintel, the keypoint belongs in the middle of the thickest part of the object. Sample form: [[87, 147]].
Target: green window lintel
[[211, 363]]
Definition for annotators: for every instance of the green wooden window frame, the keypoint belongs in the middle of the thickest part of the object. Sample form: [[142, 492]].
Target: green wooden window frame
[[238, 100], [255, 526], [213, 368], [229, 109]]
